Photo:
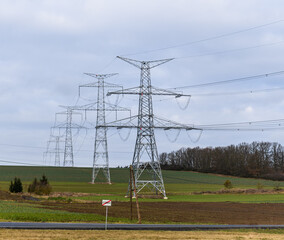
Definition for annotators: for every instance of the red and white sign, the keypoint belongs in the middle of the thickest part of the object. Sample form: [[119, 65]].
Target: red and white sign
[[106, 203]]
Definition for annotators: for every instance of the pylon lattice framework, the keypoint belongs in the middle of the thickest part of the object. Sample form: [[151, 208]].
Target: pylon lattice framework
[[56, 150], [147, 168], [100, 158], [68, 125]]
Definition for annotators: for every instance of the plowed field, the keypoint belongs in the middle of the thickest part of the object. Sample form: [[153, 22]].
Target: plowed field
[[185, 212]]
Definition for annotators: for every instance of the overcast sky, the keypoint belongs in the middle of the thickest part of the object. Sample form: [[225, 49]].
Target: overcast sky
[[46, 46]]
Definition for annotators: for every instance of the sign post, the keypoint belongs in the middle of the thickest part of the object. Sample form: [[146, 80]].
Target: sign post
[[106, 203]]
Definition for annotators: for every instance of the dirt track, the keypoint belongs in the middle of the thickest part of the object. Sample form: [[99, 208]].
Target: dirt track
[[218, 213]]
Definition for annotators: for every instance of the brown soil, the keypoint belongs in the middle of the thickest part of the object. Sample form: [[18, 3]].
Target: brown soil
[[183, 212], [179, 212], [10, 196]]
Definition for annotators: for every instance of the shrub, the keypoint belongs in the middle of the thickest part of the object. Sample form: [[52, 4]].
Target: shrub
[[16, 186], [40, 187], [277, 187], [228, 184], [32, 186], [259, 186]]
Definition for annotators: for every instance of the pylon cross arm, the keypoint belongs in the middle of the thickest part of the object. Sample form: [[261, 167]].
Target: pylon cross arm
[[159, 123], [101, 76], [154, 91], [140, 64]]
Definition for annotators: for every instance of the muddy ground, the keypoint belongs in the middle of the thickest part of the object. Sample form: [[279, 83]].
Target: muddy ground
[[173, 212], [177, 212]]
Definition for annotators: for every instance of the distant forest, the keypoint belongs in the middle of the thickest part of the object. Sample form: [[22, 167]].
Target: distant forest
[[258, 160]]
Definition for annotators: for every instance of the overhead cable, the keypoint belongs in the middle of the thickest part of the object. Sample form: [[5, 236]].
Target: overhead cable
[[275, 124], [231, 50], [21, 163], [239, 92], [205, 39], [232, 80]]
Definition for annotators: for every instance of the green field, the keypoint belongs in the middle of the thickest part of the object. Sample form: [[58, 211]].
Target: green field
[[66, 179], [14, 211], [181, 186], [121, 175]]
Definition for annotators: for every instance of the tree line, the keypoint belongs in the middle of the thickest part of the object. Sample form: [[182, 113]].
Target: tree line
[[256, 159]]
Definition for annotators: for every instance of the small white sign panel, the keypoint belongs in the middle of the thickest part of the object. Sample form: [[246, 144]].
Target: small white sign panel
[[106, 203]]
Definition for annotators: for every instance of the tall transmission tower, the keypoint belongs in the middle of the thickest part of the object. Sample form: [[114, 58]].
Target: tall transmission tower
[[100, 152], [68, 125], [100, 157], [68, 151], [145, 161], [56, 151]]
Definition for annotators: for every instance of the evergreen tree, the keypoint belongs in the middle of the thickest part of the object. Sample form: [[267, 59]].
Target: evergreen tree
[[43, 180], [16, 186]]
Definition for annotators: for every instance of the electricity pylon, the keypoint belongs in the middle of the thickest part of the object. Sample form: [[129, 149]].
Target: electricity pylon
[[100, 139], [56, 150], [146, 167], [68, 125], [100, 157], [68, 152]]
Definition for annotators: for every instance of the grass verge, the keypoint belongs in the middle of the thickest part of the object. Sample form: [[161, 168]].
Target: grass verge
[[14, 211], [129, 235]]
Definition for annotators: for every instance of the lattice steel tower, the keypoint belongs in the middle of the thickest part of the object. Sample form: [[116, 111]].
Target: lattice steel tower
[[68, 125], [57, 151], [146, 167], [68, 152], [54, 140], [145, 140], [100, 160]]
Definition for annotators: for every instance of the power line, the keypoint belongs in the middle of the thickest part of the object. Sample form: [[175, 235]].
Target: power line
[[21, 163], [107, 65], [82, 150], [20, 146], [231, 50], [232, 80], [245, 129], [237, 93], [226, 93], [205, 39], [275, 124]]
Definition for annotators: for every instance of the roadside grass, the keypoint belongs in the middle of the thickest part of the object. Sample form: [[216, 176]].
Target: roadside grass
[[270, 231], [12, 234], [14, 211]]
